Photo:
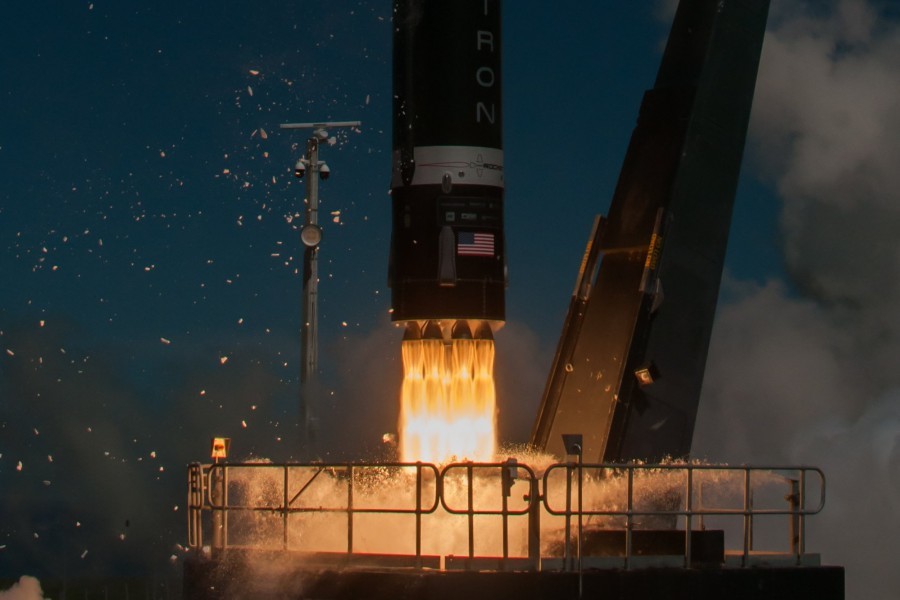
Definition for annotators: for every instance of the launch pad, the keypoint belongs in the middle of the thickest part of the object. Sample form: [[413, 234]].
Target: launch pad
[[504, 530], [624, 386]]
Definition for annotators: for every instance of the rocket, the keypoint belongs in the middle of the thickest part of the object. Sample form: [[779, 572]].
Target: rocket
[[447, 265]]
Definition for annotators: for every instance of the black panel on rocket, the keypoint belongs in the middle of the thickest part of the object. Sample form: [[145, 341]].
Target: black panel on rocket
[[447, 246]]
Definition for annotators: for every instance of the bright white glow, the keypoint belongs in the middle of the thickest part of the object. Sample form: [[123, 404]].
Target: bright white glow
[[448, 401]]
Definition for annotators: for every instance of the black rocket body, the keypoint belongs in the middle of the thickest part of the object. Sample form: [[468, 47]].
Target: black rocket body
[[447, 246]]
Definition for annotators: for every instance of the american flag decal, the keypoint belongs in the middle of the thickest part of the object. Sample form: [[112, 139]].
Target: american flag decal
[[475, 244]]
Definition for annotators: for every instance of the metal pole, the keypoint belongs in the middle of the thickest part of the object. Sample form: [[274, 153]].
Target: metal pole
[[802, 520], [793, 499], [309, 347], [628, 516], [225, 501], [311, 285], [284, 514], [566, 553], [748, 524], [505, 516], [580, 528], [350, 509], [688, 525], [534, 523], [471, 499], [418, 514], [309, 343]]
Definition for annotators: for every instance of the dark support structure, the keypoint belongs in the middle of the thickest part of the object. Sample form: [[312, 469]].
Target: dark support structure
[[630, 361], [271, 578]]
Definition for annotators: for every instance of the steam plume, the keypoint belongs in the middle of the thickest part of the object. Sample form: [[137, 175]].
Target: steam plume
[[804, 371]]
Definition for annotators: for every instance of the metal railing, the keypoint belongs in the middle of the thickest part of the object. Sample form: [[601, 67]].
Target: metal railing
[[736, 481], [276, 506]]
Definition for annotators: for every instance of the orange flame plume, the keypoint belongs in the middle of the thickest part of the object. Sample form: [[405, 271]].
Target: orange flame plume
[[448, 401]]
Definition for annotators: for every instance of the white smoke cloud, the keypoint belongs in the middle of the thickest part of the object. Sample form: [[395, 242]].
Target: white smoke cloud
[[27, 588], [805, 371], [521, 372], [828, 115], [364, 401]]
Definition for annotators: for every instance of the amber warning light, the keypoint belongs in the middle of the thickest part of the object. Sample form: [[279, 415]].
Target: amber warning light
[[219, 448]]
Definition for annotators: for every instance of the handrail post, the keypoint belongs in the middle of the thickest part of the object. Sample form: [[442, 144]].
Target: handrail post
[[802, 521], [349, 509], [505, 517], [284, 511], [688, 517], [580, 528], [748, 524], [534, 523], [793, 499], [418, 514], [225, 510], [628, 516], [566, 547], [471, 506]]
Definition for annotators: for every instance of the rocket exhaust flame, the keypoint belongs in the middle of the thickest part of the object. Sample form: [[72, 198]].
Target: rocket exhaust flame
[[448, 399]]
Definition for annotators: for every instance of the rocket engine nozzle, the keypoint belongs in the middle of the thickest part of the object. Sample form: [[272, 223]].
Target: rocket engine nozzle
[[461, 331]]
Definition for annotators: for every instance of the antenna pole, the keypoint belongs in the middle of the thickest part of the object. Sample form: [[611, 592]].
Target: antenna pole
[[311, 236]]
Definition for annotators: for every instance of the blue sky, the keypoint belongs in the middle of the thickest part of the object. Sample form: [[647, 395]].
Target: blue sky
[[145, 234], [121, 122]]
